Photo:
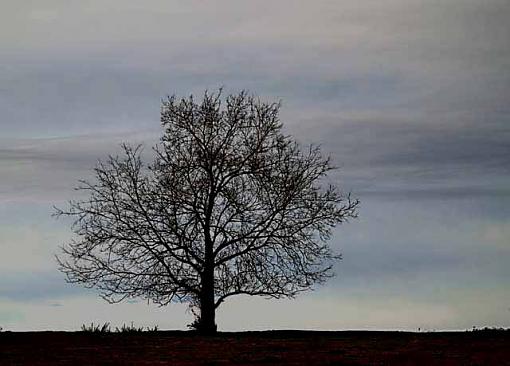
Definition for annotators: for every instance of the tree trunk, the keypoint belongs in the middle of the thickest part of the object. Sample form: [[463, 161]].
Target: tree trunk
[[207, 322]]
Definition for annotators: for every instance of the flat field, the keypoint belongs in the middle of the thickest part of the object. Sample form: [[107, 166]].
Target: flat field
[[256, 348]]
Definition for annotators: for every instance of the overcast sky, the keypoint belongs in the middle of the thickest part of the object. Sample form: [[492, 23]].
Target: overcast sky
[[410, 98]]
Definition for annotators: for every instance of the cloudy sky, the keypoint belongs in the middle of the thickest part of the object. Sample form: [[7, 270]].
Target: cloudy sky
[[410, 98]]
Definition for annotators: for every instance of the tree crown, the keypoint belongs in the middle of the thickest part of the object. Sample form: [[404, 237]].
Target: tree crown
[[229, 203]]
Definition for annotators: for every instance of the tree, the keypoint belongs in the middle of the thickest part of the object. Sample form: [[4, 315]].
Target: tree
[[230, 205]]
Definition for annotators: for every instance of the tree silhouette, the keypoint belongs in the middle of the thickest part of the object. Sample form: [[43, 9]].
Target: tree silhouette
[[230, 205]]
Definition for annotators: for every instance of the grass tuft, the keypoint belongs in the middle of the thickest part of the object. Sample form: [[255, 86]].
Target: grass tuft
[[128, 329], [125, 328], [96, 328]]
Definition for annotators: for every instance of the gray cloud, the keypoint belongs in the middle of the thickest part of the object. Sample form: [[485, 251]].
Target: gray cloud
[[47, 169], [37, 286]]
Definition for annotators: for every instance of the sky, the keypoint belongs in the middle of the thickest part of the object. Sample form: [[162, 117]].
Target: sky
[[410, 99]]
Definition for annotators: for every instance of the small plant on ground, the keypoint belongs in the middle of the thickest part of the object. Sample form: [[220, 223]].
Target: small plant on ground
[[128, 329], [105, 328], [195, 324], [96, 328], [490, 329]]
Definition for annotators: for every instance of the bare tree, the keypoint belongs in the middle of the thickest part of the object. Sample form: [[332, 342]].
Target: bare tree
[[229, 206]]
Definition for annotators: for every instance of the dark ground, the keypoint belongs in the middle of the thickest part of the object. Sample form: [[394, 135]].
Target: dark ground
[[261, 348]]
